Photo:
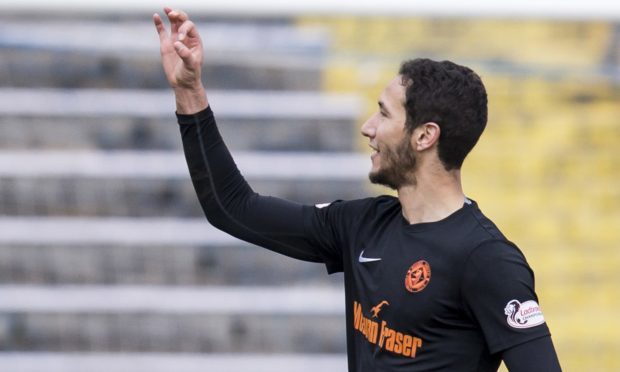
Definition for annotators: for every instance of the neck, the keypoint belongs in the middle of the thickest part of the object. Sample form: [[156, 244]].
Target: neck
[[433, 197]]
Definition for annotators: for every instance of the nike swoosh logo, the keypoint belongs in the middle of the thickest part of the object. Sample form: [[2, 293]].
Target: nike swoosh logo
[[367, 259]]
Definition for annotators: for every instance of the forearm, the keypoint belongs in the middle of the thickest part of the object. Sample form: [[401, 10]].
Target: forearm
[[216, 179]]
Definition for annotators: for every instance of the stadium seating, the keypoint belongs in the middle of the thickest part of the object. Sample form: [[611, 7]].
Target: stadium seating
[[99, 212]]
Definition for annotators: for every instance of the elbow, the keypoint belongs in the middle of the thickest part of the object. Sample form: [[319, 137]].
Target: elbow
[[216, 217]]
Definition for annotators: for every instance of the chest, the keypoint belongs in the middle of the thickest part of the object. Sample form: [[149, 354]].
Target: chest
[[410, 280]]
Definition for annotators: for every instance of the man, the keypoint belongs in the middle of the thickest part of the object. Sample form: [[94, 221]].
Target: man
[[430, 282]]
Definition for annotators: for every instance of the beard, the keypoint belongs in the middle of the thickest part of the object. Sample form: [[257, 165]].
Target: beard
[[396, 167]]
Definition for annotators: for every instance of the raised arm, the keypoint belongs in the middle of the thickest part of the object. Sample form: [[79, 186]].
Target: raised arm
[[228, 201]]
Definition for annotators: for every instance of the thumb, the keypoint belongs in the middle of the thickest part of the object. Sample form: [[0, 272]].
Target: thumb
[[185, 54]]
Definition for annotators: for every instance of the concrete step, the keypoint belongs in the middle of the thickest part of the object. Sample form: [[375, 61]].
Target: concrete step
[[264, 300], [212, 262], [160, 319], [157, 183], [141, 251], [100, 53], [30, 68], [77, 196], [173, 197], [280, 166], [169, 362], [117, 231], [144, 119]]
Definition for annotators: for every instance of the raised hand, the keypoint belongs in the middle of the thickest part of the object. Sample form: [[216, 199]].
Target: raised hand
[[181, 49], [182, 58]]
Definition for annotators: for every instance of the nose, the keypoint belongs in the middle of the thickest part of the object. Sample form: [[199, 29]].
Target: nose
[[368, 128]]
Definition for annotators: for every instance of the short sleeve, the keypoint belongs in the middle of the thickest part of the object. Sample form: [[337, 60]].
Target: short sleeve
[[498, 291]]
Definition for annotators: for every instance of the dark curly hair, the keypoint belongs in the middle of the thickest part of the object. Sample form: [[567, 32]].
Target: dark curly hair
[[450, 95]]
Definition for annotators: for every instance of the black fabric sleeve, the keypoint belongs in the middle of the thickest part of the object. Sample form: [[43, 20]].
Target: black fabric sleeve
[[498, 292], [535, 356], [231, 205], [329, 227]]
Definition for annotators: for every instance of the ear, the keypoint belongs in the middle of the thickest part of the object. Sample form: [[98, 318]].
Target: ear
[[425, 136]]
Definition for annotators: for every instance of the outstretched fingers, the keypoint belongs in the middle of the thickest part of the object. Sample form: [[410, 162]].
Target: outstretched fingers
[[181, 29], [160, 27]]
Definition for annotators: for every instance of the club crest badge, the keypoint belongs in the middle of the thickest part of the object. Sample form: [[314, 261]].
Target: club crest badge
[[418, 276]]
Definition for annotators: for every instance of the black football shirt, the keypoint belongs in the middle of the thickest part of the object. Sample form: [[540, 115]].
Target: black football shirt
[[428, 296]]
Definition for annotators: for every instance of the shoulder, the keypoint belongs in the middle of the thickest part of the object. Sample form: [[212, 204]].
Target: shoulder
[[350, 213], [482, 242], [497, 263], [489, 253], [480, 234], [378, 204], [486, 229]]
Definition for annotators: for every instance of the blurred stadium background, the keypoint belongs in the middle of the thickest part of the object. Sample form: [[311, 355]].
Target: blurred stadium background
[[106, 263]]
